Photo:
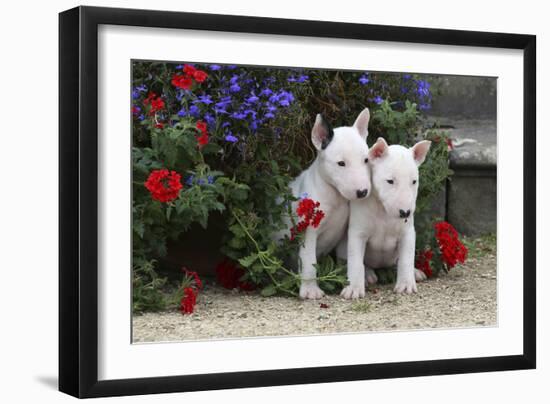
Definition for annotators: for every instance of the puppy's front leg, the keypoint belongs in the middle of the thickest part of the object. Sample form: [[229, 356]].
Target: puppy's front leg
[[357, 241], [406, 282], [308, 257]]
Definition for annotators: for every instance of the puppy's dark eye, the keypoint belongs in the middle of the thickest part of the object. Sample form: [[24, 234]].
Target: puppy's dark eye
[[414, 182], [366, 160], [341, 163], [390, 181]]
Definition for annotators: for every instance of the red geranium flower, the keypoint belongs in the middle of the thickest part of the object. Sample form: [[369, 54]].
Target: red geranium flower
[[201, 125], [203, 138], [182, 81], [452, 249], [194, 276], [423, 262], [164, 185], [229, 274], [159, 125], [200, 76], [311, 215], [189, 70], [188, 301]]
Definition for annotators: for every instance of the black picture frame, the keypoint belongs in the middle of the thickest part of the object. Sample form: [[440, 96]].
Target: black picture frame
[[78, 201]]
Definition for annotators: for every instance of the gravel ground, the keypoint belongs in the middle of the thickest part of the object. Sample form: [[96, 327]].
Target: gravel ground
[[465, 297]]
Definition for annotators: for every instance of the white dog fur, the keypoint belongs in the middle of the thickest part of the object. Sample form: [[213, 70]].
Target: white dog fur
[[339, 174], [381, 227]]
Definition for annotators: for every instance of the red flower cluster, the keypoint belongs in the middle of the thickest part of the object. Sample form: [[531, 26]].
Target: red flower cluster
[[423, 260], [188, 301], [452, 249], [157, 103], [229, 274], [164, 185], [311, 215], [185, 80], [190, 293], [203, 138]]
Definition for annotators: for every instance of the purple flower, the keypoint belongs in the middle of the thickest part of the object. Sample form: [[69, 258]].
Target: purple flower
[[141, 117], [299, 79], [238, 115], [406, 76], [285, 98], [235, 88], [252, 99], [182, 112], [179, 67], [230, 138], [266, 92], [189, 180], [210, 120], [214, 67], [194, 111], [231, 67], [364, 79], [204, 99], [210, 179], [423, 88], [378, 100]]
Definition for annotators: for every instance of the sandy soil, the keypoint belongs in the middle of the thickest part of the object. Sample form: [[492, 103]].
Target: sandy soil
[[466, 297]]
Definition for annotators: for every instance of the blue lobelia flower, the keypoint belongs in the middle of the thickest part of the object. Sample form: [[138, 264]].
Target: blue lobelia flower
[[230, 138], [252, 99], [266, 92], [214, 67], [423, 88], [378, 100], [210, 120], [238, 115], [203, 99], [364, 79], [194, 111], [189, 180], [210, 179]]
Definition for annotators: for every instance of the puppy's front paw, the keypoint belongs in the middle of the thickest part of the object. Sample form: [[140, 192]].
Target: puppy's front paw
[[405, 286], [310, 290], [353, 292], [419, 275], [371, 277]]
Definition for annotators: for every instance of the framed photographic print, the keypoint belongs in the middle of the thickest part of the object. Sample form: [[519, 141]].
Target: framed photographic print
[[251, 201]]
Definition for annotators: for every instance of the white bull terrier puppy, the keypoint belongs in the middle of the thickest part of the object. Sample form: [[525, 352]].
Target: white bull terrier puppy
[[381, 227], [339, 174]]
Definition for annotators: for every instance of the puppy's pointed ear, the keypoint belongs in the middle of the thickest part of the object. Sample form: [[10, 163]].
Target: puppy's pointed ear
[[378, 150], [420, 150], [362, 123], [322, 133]]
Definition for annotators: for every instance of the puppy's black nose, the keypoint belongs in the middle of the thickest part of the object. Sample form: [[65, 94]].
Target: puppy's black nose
[[404, 214], [361, 193]]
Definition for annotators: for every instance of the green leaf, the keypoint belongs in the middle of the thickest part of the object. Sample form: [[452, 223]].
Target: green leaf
[[249, 260], [269, 290]]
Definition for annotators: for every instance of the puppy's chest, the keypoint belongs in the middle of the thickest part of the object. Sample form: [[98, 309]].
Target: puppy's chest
[[382, 243]]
